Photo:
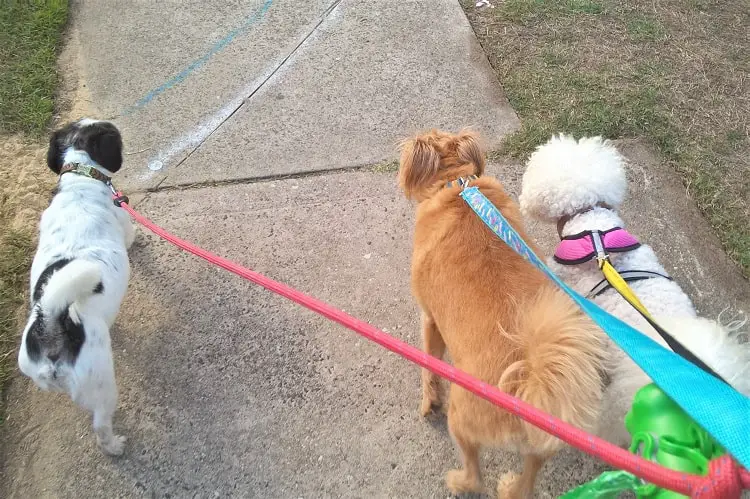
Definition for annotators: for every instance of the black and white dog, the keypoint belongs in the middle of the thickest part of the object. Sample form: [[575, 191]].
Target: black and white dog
[[79, 276]]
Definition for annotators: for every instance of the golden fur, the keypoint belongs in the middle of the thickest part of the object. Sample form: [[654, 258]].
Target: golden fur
[[500, 318]]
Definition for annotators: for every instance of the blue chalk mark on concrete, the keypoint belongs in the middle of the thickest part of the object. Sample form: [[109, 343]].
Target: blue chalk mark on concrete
[[217, 47]]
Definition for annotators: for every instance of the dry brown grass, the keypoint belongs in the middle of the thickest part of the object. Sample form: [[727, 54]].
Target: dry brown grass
[[673, 71]]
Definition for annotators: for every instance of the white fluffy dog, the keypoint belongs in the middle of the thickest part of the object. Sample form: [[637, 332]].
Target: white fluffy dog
[[579, 185], [79, 276]]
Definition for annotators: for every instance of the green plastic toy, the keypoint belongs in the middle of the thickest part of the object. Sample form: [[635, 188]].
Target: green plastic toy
[[663, 433]]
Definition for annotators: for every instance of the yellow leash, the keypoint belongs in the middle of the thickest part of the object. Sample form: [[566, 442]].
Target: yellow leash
[[616, 281]]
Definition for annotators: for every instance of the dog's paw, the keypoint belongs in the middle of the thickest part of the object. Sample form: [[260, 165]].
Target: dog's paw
[[459, 482], [115, 446], [507, 486], [431, 406]]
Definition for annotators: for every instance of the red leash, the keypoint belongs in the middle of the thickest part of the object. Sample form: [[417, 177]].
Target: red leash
[[725, 480]]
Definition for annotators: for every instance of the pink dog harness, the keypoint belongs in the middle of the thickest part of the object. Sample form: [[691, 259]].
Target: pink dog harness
[[582, 247], [587, 245]]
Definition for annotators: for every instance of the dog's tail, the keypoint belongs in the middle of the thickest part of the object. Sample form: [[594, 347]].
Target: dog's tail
[[73, 283], [719, 346], [562, 358]]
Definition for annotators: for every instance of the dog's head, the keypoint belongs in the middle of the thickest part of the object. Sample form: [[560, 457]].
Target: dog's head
[[99, 139], [436, 157], [565, 176]]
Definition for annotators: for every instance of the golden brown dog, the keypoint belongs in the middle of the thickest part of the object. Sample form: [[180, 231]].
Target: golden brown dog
[[500, 318]]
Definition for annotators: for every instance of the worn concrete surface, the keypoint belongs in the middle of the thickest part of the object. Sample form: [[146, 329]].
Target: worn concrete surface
[[227, 390], [360, 75], [374, 72], [129, 50]]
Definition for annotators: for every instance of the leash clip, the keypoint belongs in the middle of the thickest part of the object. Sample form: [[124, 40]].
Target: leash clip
[[117, 197], [121, 199], [464, 182], [601, 252]]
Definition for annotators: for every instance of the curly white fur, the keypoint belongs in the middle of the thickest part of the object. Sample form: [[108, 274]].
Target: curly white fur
[[588, 172], [566, 177]]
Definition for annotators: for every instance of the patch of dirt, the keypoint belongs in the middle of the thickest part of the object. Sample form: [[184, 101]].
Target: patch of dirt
[[73, 99], [25, 185]]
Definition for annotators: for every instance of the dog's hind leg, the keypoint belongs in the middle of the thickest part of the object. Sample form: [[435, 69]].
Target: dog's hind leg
[[434, 345], [469, 478], [111, 444], [97, 389], [104, 404]]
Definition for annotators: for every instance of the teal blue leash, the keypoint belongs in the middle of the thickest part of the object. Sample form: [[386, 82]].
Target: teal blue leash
[[716, 406]]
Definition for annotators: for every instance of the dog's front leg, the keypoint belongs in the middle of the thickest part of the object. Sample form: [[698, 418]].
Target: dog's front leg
[[128, 229], [129, 234], [433, 345], [512, 486]]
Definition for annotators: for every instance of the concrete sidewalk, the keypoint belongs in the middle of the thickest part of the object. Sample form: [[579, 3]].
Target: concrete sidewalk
[[206, 92], [226, 389]]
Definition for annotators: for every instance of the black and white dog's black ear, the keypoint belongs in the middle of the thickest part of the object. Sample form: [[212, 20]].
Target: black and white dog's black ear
[[56, 150], [101, 140], [103, 143]]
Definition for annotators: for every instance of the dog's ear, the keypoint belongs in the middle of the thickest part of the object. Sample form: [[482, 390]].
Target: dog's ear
[[419, 166], [103, 143], [55, 151], [469, 150]]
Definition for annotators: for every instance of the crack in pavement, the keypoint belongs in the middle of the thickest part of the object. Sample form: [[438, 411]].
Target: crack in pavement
[[256, 179], [231, 112]]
